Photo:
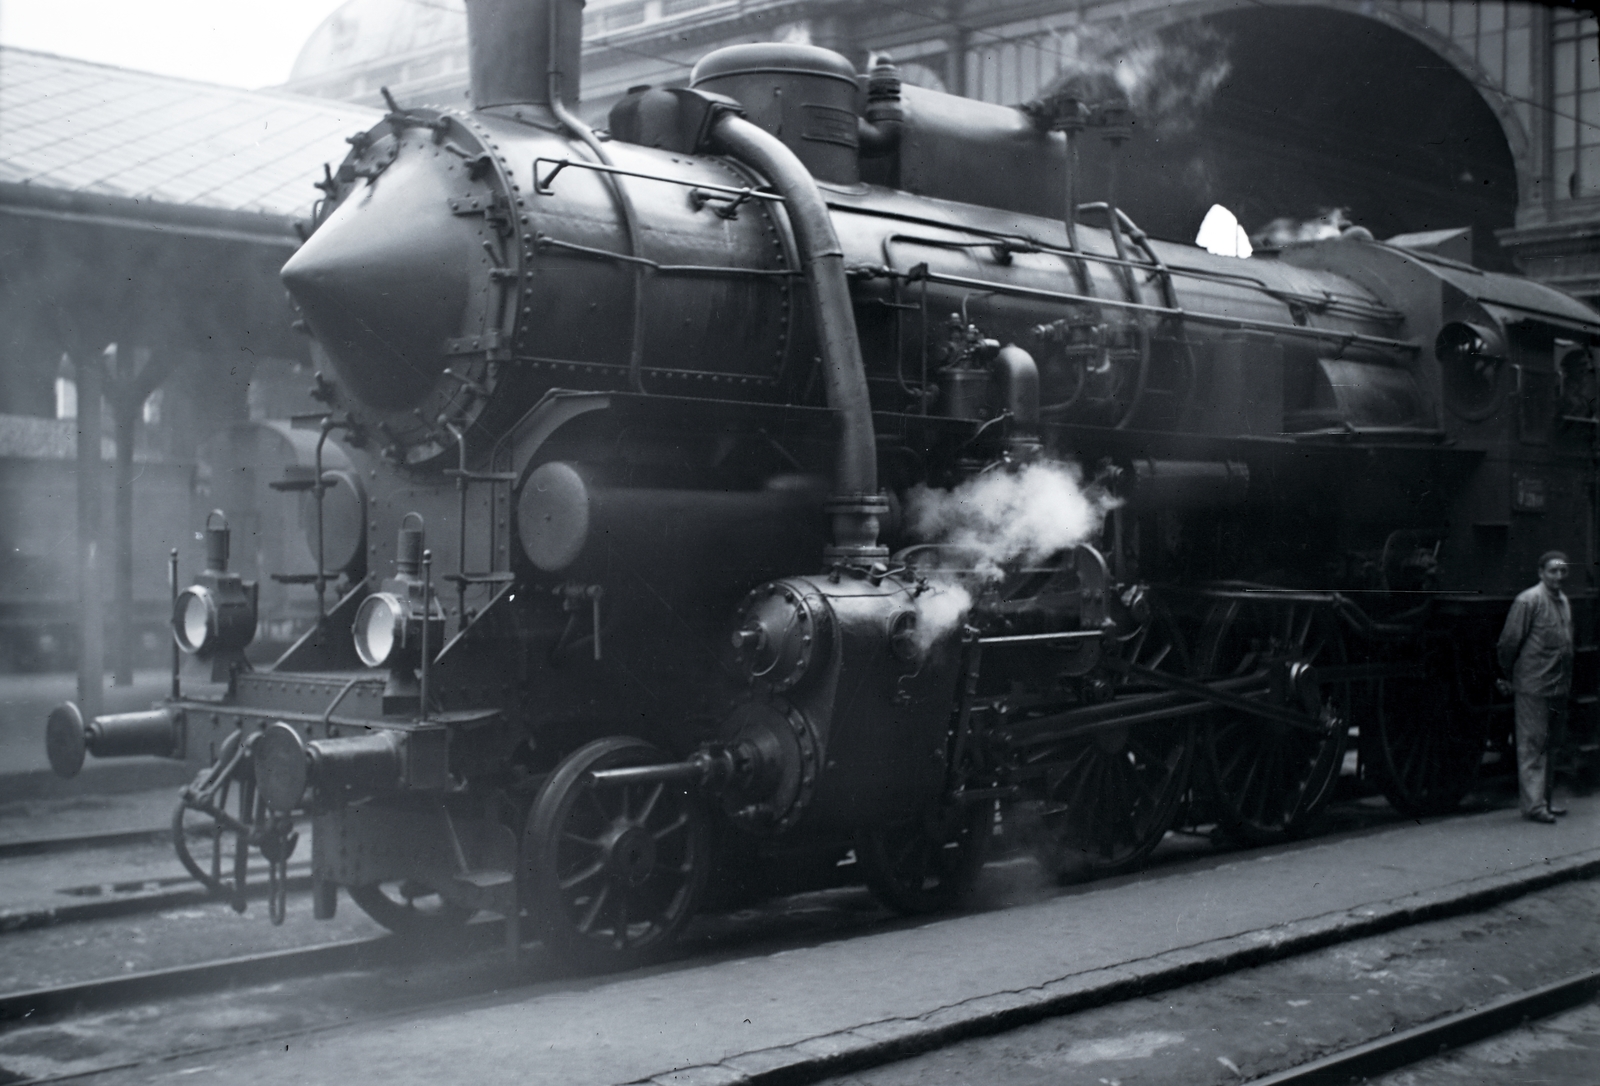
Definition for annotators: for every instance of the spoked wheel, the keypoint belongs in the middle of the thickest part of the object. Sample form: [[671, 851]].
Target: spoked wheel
[[928, 863], [1423, 748], [1111, 794], [410, 908], [1270, 779], [613, 870]]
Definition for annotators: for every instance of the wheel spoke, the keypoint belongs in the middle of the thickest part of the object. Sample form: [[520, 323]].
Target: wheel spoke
[[583, 876], [1152, 796], [1303, 634], [1410, 756], [1145, 754], [1086, 774], [1136, 645], [681, 822], [1249, 777], [1240, 752], [591, 794], [596, 903], [650, 803], [620, 929]]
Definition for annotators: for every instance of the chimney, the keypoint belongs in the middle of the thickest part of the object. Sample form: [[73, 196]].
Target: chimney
[[509, 46]]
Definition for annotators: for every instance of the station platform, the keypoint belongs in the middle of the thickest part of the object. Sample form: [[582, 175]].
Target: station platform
[[814, 1010]]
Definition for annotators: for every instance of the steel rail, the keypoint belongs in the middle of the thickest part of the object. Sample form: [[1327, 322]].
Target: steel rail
[[172, 892], [1433, 1038], [40, 1003], [45, 846]]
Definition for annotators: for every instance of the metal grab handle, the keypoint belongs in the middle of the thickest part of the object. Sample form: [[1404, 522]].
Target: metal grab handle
[[209, 796]]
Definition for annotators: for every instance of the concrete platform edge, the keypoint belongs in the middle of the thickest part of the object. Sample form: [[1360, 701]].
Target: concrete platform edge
[[877, 1043]]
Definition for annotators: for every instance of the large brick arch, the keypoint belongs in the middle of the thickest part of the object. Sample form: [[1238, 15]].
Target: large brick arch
[[1390, 14], [1328, 105]]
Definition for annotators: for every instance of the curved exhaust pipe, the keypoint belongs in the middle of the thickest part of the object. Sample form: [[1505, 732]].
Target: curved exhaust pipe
[[856, 505]]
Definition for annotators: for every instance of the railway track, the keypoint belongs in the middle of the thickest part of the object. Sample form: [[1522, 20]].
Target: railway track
[[41, 1004], [474, 955], [720, 936], [122, 897], [64, 843], [1452, 1031]]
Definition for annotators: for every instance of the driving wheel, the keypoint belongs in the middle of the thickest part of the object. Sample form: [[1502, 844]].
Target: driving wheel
[[1421, 744], [613, 870], [1269, 780], [1111, 794]]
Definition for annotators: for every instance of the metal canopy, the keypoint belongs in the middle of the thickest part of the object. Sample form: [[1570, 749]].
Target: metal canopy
[[94, 129]]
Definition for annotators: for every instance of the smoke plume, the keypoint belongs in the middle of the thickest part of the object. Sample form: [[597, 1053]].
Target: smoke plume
[[1167, 77], [1329, 222], [994, 520]]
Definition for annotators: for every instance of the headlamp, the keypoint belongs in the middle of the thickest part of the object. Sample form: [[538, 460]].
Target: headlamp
[[194, 620], [380, 628], [393, 625], [215, 618]]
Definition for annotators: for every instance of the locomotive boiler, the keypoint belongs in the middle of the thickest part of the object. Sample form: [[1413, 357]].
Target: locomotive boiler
[[800, 465]]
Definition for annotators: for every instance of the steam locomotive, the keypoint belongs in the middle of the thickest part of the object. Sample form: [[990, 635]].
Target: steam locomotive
[[799, 465]]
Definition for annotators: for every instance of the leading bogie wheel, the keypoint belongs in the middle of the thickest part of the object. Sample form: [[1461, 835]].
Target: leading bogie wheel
[[1270, 780], [1422, 746], [927, 863], [410, 908], [612, 871]]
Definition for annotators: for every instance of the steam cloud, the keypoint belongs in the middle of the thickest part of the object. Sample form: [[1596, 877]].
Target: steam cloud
[[1166, 77], [994, 520], [1329, 222]]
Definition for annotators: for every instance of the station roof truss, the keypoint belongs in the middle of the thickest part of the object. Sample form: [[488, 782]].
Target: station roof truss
[[97, 130]]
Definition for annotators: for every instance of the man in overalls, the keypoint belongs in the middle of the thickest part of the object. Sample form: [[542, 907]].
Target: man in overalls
[[1535, 648]]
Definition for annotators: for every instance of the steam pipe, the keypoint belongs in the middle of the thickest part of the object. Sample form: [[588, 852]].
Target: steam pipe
[[427, 620], [1016, 376], [857, 504], [172, 605], [630, 215], [1079, 271]]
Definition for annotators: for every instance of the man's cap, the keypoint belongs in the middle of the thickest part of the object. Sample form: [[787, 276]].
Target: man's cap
[[1552, 556]]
